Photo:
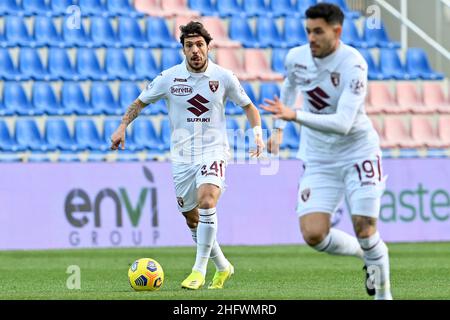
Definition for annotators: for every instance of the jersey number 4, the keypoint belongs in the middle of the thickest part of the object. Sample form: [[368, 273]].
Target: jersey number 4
[[215, 169]]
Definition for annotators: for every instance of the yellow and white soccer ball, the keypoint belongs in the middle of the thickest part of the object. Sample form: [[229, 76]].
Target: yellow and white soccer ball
[[146, 274]]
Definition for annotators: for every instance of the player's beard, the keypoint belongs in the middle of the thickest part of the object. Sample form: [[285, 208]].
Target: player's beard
[[324, 50], [198, 68]]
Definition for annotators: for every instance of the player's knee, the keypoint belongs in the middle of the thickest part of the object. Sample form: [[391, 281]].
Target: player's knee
[[207, 202], [313, 236], [364, 226]]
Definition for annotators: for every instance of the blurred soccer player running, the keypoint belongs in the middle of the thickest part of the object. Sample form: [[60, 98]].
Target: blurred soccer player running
[[195, 92], [339, 147]]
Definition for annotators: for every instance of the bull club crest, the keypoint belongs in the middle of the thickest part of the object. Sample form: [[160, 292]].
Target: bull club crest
[[305, 194], [214, 85], [335, 77], [180, 202]]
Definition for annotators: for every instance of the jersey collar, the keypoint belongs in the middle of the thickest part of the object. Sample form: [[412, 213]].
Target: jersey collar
[[186, 74]]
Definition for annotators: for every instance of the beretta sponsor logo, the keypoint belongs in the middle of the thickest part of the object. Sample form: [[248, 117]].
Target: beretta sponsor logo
[[181, 90]]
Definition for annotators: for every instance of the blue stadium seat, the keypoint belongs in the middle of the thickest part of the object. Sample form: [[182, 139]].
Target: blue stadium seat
[[28, 136], [235, 135], [8, 71], [294, 33], [130, 34], [303, 5], [267, 33], [391, 66], [88, 137], [45, 33], [89, 67], [93, 8], [281, 8], [418, 66], [30, 65], [122, 8], [158, 34], [10, 7], [228, 8], [44, 99], [116, 65], [374, 72], [162, 107], [145, 67], [231, 109], [102, 32], [103, 100], [15, 99], [351, 36], [59, 65], [128, 92], [109, 127], [347, 12], [16, 33], [205, 7], [278, 57], [5, 111], [72, 98], [58, 136], [165, 133], [144, 135], [59, 7], [239, 30], [170, 57], [33, 7], [291, 137], [3, 42], [76, 36], [267, 90], [256, 8], [7, 141], [249, 91], [377, 36]]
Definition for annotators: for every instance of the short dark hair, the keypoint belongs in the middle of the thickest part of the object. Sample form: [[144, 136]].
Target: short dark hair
[[192, 29], [331, 13]]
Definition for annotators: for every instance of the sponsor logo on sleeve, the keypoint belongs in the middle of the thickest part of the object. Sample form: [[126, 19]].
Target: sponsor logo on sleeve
[[357, 86]]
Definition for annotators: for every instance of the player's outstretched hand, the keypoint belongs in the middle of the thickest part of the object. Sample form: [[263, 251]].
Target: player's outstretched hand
[[278, 109], [259, 147], [118, 138]]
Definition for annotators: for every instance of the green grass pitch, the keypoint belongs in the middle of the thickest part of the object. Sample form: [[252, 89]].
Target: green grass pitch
[[418, 271]]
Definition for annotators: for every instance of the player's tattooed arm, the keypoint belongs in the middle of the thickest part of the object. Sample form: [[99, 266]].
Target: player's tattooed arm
[[118, 137], [133, 112]]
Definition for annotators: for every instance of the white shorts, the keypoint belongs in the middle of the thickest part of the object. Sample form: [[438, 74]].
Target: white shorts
[[324, 186], [188, 178]]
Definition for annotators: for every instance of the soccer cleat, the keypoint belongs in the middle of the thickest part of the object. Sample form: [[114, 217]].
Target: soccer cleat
[[370, 286], [220, 277], [194, 281]]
